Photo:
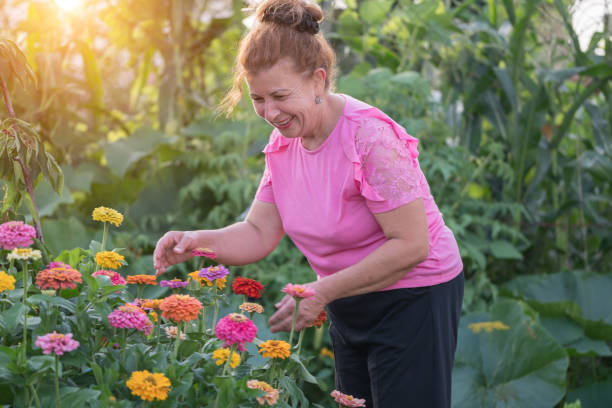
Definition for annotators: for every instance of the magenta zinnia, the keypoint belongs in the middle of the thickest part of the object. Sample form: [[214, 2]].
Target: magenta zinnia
[[16, 234], [205, 252], [56, 343], [174, 283], [115, 277], [298, 291], [130, 316], [236, 328]]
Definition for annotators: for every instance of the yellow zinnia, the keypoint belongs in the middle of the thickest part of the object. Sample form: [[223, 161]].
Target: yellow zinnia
[[203, 281], [109, 259], [275, 349], [220, 355], [487, 326], [149, 386], [105, 214], [7, 282]]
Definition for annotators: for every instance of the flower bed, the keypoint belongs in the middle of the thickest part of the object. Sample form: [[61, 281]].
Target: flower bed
[[76, 332]]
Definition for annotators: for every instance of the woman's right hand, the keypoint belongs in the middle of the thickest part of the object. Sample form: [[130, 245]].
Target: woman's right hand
[[173, 248]]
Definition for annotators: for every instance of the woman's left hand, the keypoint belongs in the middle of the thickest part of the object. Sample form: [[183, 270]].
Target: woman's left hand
[[310, 308]]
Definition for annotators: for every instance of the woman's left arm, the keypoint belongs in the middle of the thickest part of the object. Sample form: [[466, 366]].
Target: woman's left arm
[[407, 245]]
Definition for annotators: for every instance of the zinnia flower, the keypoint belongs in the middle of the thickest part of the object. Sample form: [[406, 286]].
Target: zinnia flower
[[115, 278], [347, 400], [153, 316], [150, 303], [171, 332], [142, 280], [321, 318], [7, 282], [214, 272], [236, 328], [62, 277], [24, 254], [56, 343], [205, 252], [487, 326], [130, 316], [174, 283], [109, 259], [251, 307], [220, 357], [249, 287], [105, 214], [298, 291], [16, 234], [325, 352], [180, 308], [271, 396], [203, 281], [149, 386], [275, 349]]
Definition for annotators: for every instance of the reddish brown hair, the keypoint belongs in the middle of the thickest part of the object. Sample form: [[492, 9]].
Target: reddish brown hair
[[283, 29]]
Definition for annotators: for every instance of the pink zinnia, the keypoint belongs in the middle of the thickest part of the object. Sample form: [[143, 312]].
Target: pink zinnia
[[56, 343], [16, 234], [236, 328], [115, 277], [298, 291], [130, 316], [205, 252], [213, 272], [347, 400]]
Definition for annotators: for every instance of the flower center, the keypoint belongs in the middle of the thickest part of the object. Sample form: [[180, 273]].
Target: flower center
[[150, 379], [237, 317]]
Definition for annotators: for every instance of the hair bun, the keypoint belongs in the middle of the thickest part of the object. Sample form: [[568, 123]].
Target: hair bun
[[300, 15]]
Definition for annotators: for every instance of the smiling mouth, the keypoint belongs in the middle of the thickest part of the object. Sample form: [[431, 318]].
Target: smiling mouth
[[283, 124]]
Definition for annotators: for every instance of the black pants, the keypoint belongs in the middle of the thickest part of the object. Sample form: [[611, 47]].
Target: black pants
[[396, 348]]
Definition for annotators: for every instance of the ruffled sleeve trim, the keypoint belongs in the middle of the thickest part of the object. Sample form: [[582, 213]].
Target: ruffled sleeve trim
[[359, 114], [276, 143]]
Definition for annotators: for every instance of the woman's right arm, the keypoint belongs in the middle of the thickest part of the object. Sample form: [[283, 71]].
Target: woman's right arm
[[238, 244]]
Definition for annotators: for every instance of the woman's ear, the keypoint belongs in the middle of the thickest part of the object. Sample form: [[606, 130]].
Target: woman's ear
[[319, 75]]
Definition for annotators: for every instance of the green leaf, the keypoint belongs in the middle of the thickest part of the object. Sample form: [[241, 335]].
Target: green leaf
[[78, 397], [596, 395], [48, 200], [54, 300], [65, 233], [304, 373], [522, 366], [123, 153], [585, 297], [504, 250], [374, 12], [13, 316]]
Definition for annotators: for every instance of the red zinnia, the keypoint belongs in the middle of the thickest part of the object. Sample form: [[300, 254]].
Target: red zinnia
[[249, 287]]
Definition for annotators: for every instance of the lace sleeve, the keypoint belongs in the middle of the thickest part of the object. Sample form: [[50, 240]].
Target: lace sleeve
[[389, 167]]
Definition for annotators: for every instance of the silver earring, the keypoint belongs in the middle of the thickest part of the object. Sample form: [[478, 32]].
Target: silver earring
[[318, 100]]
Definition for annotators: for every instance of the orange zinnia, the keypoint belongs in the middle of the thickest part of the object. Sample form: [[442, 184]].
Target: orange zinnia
[[150, 303], [180, 308], [142, 279]]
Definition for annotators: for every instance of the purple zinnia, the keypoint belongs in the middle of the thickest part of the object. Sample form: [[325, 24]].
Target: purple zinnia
[[16, 234], [214, 272], [174, 283]]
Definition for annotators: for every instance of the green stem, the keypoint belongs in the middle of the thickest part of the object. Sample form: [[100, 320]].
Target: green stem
[[177, 341], [123, 345], [229, 359], [202, 322], [35, 396], [299, 345], [24, 265], [104, 235], [57, 393], [295, 315], [139, 291], [216, 314]]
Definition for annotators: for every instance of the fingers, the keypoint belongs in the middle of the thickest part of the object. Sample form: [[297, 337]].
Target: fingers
[[171, 249]]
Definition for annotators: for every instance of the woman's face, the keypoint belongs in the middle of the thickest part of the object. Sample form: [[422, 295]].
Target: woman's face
[[286, 99]]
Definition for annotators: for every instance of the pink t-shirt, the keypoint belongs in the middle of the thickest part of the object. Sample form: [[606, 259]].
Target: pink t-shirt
[[326, 197]]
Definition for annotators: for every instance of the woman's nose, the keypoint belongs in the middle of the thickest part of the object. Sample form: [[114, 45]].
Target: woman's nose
[[270, 111]]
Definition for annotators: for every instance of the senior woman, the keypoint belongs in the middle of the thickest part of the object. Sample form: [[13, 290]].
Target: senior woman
[[342, 179]]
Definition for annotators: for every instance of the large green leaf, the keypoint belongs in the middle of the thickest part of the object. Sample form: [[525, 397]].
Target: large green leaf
[[123, 153], [48, 200], [522, 366], [585, 297], [596, 395], [64, 233]]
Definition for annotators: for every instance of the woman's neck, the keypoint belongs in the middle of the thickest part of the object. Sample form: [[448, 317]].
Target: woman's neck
[[331, 109]]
